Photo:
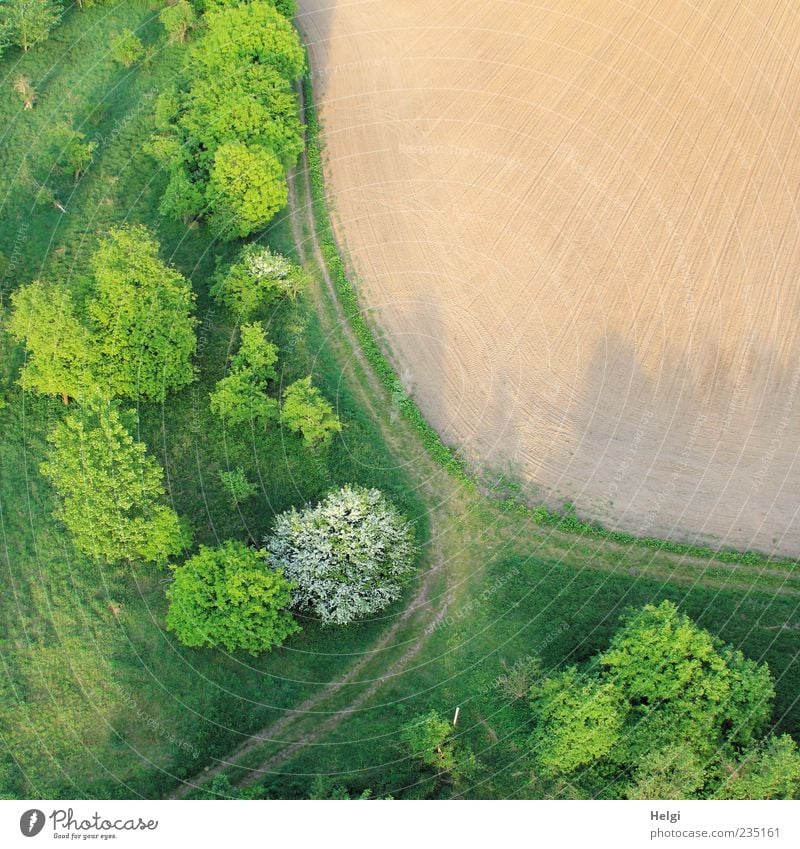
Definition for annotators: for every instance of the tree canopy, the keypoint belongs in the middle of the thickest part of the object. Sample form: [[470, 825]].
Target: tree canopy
[[229, 135], [349, 556], [306, 412], [229, 596], [27, 22], [60, 356], [142, 317], [668, 711], [112, 494], [258, 278], [241, 396]]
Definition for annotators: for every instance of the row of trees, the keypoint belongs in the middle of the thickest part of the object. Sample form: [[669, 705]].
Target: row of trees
[[229, 135]]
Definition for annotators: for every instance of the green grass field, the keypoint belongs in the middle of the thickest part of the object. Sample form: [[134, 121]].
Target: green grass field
[[97, 700]]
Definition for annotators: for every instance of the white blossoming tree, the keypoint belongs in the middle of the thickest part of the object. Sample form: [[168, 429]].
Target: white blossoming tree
[[349, 556]]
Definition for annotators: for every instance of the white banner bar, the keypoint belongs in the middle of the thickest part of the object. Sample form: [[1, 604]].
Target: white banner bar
[[378, 823]]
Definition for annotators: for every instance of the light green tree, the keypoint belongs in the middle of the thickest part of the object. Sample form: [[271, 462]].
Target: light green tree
[[127, 48], [177, 19], [142, 317], [258, 278], [241, 396], [229, 596], [27, 22], [111, 492], [60, 354], [236, 484], [246, 187], [578, 721], [305, 411]]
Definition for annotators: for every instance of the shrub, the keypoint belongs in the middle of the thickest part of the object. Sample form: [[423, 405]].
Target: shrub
[[127, 48], [306, 412], [229, 596]]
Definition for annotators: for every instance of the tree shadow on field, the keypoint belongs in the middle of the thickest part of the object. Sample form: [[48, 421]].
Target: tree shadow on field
[[700, 451]]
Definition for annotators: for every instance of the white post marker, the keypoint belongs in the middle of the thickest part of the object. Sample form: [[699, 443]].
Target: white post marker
[[455, 718]]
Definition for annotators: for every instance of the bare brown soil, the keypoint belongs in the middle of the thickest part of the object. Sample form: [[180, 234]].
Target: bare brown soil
[[574, 223]]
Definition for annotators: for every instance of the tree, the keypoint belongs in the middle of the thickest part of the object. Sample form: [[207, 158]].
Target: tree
[[73, 152], [306, 412], [674, 772], [142, 317], [428, 739], [768, 770], [241, 397], [349, 556], [27, 22], [667, 711], [684, 683], [178, 19], [246, 188], [127, 48], [258, 278], [229, 596], [238, 487], [578, 721], [111, 492], [60, 356], [250, 33]]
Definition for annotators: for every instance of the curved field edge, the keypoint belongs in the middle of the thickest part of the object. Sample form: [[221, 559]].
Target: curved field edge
[[444, 455]]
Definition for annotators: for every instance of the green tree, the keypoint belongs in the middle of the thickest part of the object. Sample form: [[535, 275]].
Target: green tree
[[578, 721], [246, 188], [241, 396], [178, 19], [73, 152], [229, 596], [250, 33], [306, 412], [236, 484], [674, 772], [349, 556], [27, 22], [428, 739], [258, 278], [59, 348], [683, 683], [127, 48], [142, 317], [112, 493], [767, 770]]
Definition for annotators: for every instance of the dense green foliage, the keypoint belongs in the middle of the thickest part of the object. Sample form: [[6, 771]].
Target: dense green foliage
[[59, 347], [241, 396], [668, 704], [127, 48], [230, 134], [137, 337], [178, 18], [112, 493], [306, 412], [257, 279], [27, 22], [349, 556], [142, 315], [229, 596]]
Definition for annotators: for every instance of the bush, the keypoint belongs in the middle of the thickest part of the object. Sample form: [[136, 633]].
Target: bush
[[127, 48], [306, 412], [349, 556], [229, 596]]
